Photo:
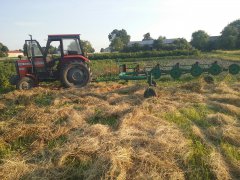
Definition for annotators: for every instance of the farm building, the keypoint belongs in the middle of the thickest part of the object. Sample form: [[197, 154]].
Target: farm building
[[106, 50], [150, 42], [14, 53]]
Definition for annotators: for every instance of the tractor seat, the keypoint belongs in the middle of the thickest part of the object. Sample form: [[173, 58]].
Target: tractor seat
[[50, 61]]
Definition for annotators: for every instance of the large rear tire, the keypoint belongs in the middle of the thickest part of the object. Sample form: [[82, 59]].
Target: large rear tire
[[25, 83], [75, 74]]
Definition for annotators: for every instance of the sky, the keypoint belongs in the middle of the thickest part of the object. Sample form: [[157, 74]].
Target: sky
[[95, 19]]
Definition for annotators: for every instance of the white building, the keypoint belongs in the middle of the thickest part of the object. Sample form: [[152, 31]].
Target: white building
[[107, 50], [150, 42], [15, 53]]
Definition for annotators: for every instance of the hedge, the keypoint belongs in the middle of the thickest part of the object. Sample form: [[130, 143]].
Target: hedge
[[145, 54]]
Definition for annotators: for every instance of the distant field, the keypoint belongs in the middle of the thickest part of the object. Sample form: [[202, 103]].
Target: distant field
[[224, 55]]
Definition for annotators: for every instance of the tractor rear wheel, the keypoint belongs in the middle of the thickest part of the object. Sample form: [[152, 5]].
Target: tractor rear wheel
[[25, 83], [75, 74]]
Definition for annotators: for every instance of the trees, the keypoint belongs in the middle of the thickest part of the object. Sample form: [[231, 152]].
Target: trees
[[51, 50], [102, 50], [147, 36], [230, 38], [117, 44], [182, 43], [3, 50], [213, 43], [158, 43], [200, 40], [87, 46], [134, 48], [118, 39]]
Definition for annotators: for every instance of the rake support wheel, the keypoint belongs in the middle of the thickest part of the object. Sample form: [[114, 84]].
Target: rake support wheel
[[150, 92]]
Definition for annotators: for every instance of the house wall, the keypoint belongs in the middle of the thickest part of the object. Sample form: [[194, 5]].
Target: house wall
[[14, 54]]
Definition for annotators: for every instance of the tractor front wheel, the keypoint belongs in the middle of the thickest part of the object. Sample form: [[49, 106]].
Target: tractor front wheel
[[25, 83], [75, 74]]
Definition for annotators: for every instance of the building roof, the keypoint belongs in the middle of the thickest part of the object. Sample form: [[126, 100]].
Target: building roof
[[60, 36], [64, 35], [150, 42], [145, 42], [168, 41], [213, 38]]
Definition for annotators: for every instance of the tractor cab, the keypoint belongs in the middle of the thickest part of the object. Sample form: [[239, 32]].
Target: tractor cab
[[65, 45], [49, 63]]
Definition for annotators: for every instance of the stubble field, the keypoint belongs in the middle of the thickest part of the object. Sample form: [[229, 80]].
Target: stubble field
[[109, 131]]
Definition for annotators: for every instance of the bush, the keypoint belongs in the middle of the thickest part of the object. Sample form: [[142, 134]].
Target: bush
[[7, 69]]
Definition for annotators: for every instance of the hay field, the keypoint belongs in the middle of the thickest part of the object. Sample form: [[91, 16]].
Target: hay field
[[109, 131]]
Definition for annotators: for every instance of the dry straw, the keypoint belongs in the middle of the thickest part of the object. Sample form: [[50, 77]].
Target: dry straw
[[108, 131]]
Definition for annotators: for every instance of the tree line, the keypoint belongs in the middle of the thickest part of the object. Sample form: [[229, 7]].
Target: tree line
[[228, 40], [3, 50]]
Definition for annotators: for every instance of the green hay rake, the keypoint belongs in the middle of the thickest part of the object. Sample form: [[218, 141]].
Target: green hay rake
[[151, 73]]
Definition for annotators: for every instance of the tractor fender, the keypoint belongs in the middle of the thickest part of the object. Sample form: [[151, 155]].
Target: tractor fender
[[66, 61], [68, 58]]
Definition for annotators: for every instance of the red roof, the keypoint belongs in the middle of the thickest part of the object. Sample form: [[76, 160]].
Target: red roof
[[15, 51]]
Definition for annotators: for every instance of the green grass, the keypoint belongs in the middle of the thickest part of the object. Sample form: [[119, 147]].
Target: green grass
[[44, 100], [76, 167], [5, 150], [197, 164], [10, 111], [57, 141], [197, 115], [180, 120], [101, 118], [186, 117], [224, 55], [22, 143], [232, 152]]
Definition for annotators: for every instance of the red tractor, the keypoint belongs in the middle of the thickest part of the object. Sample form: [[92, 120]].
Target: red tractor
[[70, 66]]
